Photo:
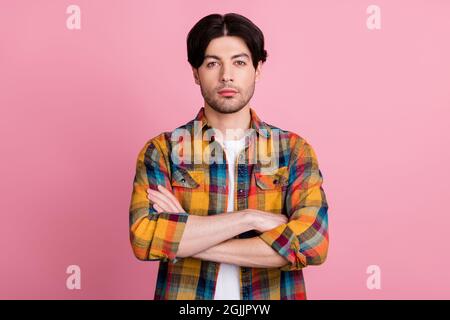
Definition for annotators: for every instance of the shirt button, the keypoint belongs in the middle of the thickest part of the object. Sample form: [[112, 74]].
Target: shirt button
[[183, 180], [241, 190]]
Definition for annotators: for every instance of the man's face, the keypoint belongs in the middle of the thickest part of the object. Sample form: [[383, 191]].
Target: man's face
[[227, 65]]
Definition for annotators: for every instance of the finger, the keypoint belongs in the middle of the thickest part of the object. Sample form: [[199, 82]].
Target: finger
[[170, 195], [162, 205], [163, 200], [155, 204], [158, 208], [148, 194], [159, 199], [284, 219]]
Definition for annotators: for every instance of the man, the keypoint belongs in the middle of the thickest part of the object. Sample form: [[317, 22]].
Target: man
[[232, 207]]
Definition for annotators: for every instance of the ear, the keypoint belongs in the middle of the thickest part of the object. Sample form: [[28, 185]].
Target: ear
[[258, 71], [195, 74]]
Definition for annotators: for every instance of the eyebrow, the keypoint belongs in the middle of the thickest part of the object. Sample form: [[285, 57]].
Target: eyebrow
[[233, 57]]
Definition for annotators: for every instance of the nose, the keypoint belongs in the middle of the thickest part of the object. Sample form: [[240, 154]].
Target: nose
[[227, 79], [226, 73]]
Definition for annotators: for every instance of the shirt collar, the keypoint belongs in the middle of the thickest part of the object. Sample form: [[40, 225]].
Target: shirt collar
[[255, 123]]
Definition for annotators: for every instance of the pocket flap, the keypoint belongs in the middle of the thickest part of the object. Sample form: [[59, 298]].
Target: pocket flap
[[272, 180], [187, 178]]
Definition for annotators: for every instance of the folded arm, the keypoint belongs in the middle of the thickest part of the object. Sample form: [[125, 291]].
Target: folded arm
[[167, 232], [303, 240], [300, 242], [251, 252], [164, 233]]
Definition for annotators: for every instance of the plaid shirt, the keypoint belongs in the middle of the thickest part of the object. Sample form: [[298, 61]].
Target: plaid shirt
[[293, 188]]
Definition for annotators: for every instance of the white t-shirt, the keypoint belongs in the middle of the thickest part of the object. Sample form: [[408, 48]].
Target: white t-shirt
[[228, 284]]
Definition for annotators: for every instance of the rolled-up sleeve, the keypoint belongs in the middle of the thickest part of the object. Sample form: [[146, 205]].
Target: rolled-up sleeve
[[153, 235], [304, 239]]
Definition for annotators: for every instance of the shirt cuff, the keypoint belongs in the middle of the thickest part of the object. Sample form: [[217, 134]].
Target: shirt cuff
[[283, 240], [168, 233]]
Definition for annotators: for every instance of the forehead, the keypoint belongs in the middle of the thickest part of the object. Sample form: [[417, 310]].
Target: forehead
[[226, 47]]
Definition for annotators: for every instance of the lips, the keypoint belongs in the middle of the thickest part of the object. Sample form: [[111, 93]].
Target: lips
[[227, 92]]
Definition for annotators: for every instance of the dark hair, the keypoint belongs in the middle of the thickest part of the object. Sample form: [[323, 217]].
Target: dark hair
[[215, 26]]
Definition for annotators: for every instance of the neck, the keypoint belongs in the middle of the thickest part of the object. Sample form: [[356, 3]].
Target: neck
[[233, 126]]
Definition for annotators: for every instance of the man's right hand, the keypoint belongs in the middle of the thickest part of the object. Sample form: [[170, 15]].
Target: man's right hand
[[263, 221]]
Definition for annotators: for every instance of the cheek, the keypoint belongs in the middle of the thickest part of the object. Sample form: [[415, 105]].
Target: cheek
[[247, 80], [209, 80], [246, 74]]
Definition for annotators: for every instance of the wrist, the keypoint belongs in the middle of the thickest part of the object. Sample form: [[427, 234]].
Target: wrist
[[248, 219]]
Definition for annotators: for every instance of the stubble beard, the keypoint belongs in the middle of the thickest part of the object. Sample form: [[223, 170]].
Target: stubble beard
[[227, 105]]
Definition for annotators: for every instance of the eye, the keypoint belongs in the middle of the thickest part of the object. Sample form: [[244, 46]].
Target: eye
[[241, 63], [210, 64]]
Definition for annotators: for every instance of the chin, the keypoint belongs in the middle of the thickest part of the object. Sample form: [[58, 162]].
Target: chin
[[228, 109]]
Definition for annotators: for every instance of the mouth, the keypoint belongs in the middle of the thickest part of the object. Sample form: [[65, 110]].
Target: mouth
[[227, 92]]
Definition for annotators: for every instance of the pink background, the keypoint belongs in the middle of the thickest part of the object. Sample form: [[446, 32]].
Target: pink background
[[77, 106]]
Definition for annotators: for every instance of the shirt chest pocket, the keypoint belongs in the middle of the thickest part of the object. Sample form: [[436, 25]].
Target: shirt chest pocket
[[190, 179], [274, 179], [189, 187], [271, 189]]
